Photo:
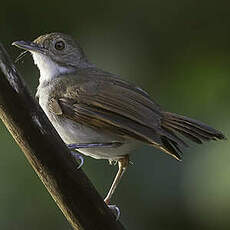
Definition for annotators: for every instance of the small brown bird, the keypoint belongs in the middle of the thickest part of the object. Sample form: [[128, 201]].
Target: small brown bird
[[98, 113]]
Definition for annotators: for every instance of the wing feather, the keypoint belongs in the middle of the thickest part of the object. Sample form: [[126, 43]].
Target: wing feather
[[97, 117], [114, 105]]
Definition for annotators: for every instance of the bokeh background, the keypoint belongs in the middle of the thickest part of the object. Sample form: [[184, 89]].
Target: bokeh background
[[179, 51]]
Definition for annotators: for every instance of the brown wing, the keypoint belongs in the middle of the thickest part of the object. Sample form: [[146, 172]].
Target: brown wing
[[114, 105]]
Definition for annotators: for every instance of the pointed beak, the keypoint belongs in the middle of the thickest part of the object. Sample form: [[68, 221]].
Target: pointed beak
[[29, 46]]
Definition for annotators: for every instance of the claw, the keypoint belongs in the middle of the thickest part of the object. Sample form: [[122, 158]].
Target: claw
[[78, 157], [112, 162], [115, 210]]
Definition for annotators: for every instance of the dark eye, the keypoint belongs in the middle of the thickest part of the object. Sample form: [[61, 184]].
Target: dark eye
[[60, 45]]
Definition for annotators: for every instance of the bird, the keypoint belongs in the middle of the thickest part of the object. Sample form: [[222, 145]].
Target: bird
[[100, 114]]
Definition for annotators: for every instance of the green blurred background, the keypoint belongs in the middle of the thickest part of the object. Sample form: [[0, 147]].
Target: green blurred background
[[179, 51]]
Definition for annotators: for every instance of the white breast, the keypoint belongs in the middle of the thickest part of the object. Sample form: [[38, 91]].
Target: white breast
[[48, 68]]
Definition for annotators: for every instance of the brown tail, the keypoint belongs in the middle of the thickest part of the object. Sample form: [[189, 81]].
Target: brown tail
[[190, 128]]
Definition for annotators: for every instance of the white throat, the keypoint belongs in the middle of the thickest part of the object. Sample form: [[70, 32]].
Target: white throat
[[48, 69]]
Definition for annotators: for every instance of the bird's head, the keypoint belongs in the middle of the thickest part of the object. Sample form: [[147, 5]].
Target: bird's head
[[55, 53]]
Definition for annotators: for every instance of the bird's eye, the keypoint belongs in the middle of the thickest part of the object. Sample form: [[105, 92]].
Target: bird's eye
[[60, 45]]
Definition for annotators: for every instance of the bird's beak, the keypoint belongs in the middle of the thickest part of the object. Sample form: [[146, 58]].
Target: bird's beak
[[29, 46]]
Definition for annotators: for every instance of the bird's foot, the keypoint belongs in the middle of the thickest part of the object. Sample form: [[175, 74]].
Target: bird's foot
[[112, 162], [115, 210], [78, 157]]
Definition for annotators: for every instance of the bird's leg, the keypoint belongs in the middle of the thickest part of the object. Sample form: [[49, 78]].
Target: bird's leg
[[78, 156], [122, 166]]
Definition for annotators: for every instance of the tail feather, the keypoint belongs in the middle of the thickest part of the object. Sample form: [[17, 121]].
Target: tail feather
[[197, 131], [194, 130], [186, 132], [171, 147]]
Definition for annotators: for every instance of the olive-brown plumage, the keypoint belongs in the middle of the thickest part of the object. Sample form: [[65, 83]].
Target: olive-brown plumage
[[88, 105]]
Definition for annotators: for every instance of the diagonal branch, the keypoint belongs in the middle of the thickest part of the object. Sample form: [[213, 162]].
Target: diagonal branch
[[48, 155]]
